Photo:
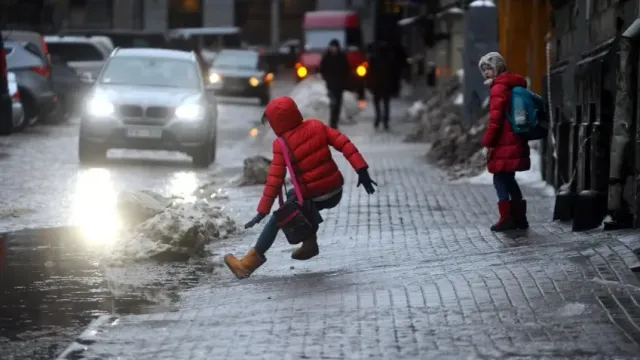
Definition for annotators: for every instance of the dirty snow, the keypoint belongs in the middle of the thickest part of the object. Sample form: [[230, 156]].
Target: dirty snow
[[161, 228], [531, 178], [311, 96]]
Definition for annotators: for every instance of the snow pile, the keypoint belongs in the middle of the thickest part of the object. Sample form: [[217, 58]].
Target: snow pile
[[311, 96], [415, 112], [255, 170], [167, 229], [531, 178]]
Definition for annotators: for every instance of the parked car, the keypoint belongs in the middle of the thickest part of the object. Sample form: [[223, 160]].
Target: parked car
[[154, 99], [85, 54], [241, 73], [33, 76], [16, 106], [5, 99], [124, 38], [29, 37], [69, 85]]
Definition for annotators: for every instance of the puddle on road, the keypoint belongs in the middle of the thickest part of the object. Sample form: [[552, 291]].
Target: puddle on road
[[52, 285]]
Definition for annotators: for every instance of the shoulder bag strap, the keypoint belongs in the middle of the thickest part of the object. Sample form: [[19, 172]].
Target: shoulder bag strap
[[292, 173]]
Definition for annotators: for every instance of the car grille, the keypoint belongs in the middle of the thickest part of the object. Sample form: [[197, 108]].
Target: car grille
[[158, 112], [130, 110], [236, 82], [139, 115]]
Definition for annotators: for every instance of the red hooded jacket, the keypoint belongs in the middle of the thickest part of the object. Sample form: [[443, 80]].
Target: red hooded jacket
[[508, 152], [309, 141]]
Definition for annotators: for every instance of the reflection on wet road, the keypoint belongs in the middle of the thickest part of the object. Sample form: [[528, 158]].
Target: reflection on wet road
[[52, 282]]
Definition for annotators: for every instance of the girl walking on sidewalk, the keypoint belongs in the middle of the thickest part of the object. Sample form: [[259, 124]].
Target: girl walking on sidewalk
[[506, 151], [306, 144]]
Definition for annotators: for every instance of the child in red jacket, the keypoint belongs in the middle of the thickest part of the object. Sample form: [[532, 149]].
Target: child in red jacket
[[507, 152], [320, 179]]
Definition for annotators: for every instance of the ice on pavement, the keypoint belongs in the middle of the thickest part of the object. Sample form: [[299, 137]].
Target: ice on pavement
[[311, 96], [531, 178], [167, 229]]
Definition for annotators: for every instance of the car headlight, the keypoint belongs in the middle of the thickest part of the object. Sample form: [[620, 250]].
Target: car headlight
[[100, 107], [214, 78], [254, 82], [189, 112]]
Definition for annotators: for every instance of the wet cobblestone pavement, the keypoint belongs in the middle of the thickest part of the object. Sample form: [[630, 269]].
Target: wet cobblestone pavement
[[412, 272]]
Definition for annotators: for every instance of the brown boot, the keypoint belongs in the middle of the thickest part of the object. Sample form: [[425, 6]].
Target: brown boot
[[307, 250], [246, 265]]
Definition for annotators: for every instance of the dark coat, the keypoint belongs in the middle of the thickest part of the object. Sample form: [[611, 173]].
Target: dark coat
[[381, 76], [335, 70], [508, 151]]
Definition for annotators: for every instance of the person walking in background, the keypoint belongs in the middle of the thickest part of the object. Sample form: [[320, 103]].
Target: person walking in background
[[401, 68], [334, 68], [506, 151], [308, 145], [380, 80]]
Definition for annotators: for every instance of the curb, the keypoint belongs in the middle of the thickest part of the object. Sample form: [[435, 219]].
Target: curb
[[81, 344], [632, 241]]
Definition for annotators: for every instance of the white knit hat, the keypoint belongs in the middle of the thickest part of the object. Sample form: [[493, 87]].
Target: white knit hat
[[495, 60]]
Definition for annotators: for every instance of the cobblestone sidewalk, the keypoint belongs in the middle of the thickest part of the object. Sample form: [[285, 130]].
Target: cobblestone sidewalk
[[412, 272]]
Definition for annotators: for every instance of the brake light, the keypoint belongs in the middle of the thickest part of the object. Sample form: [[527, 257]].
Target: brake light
[[3, 64], [42, 70]]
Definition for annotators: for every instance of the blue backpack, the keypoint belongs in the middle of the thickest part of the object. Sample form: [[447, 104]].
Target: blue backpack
[[528, 114]]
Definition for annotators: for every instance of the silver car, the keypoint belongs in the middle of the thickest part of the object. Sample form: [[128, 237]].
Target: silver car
[[152, 99], [18, 110]]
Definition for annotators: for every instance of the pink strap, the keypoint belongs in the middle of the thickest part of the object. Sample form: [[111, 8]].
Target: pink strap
[[292, 174]]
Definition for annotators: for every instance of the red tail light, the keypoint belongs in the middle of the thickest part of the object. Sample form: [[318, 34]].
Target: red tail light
[[42, 70], [46, 49], [16, 96], [3, 64]]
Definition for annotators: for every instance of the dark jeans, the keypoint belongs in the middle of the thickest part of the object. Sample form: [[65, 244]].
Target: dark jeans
[[507, 186], [270, 230], [335, 103], [385, 99]]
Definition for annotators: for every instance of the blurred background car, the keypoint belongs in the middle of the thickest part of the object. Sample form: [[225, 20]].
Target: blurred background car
[[123, 38], [241, 73], [84, 54], [5, 99], [33, 75], [150, 99], [16, 105]]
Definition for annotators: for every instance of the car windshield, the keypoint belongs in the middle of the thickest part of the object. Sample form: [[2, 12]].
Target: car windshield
[[318, 39], [147, 71], [75, 51], [236, 60]]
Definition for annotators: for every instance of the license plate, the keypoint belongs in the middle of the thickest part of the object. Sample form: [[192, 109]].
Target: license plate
[[144, 133]]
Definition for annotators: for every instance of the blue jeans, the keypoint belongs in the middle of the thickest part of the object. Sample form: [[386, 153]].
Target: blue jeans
[[270, 230], [507, 186]]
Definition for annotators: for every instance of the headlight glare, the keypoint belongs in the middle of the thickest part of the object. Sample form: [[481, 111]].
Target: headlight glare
[[100, 107], [254, 82], [214, 78], [189, 112]]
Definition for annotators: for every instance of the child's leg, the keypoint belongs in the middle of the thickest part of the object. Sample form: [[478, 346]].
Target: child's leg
[[512, 186], [501, 182], [309, 247], [500, 185], [518, 204]]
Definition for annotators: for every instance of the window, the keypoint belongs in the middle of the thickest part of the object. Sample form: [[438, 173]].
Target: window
[[318, 39], [147, 71], [75, 51], [236, 60]]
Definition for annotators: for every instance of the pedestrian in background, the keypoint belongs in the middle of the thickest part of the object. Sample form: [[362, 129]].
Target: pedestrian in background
[[401, 69], [506, 151], [380, 80], [307, 144], [334, 68]]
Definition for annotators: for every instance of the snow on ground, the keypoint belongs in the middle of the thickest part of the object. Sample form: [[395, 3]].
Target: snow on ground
[[531, 178], [167, 229], [311, 96]]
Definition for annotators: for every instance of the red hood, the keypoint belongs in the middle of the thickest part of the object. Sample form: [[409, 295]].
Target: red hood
[[283, 114], [310, 60], [510, 79]]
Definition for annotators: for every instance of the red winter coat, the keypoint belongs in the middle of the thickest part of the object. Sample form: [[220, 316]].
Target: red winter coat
[[309, 141], [508, 152]]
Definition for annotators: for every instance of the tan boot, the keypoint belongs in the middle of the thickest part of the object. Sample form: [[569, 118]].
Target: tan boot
[[307, 250], [246, 265]]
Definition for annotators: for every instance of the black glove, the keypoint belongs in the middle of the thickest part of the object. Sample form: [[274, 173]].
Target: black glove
[[256, 219], [365, 180]]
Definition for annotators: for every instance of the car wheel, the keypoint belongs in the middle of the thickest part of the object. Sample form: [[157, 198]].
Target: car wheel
[[264, 99], [204, 155], [89, 153], [31, 109]]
